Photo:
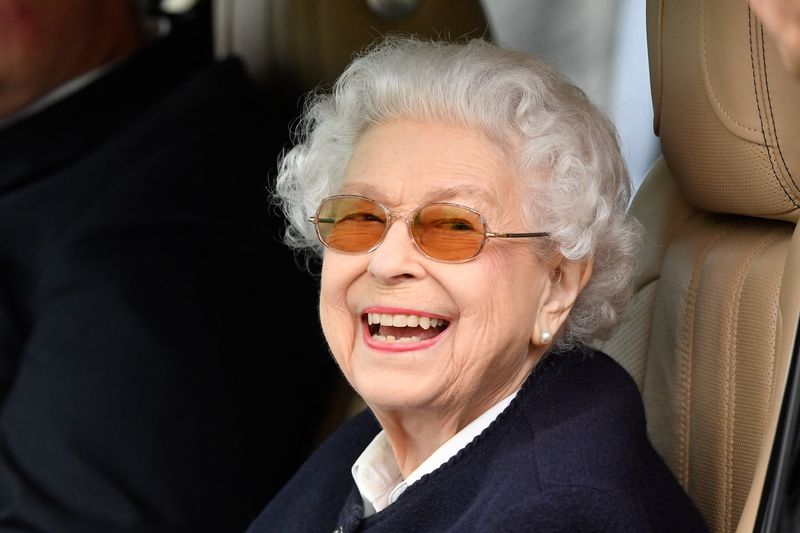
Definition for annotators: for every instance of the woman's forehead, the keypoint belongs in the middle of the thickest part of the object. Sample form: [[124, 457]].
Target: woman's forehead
[[405, 161], [418, 145]]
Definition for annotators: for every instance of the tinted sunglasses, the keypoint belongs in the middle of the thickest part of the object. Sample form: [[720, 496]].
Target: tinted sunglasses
[[443, 231]]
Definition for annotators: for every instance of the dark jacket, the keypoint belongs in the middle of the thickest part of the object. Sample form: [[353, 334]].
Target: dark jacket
[[153, 329], [569, 454]]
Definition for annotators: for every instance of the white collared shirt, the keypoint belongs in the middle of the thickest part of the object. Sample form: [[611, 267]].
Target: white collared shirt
[[378, 476]]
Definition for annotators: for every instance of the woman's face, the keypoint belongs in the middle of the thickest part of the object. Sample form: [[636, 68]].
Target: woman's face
[[489, 305]]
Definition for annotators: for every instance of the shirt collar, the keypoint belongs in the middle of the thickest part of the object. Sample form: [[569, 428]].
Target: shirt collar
[[378, 476]]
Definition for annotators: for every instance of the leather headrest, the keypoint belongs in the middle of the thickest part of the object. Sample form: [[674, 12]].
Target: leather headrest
[[309, 42], [726, 110]]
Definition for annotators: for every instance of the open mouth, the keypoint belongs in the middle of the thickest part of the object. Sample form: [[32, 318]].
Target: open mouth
[[402, 328]]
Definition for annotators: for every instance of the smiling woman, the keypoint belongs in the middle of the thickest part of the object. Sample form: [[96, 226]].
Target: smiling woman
[[469, 205]]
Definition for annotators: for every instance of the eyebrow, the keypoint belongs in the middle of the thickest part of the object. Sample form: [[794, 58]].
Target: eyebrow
[[442, 194]]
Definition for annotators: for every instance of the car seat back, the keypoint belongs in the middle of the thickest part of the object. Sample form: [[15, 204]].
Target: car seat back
[[713, 322]]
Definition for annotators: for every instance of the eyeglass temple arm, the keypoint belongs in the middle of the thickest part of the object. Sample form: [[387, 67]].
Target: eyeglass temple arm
[[516, 235]]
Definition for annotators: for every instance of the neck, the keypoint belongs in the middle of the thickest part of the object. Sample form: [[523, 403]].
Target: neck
[[416, 433], [414, 437]]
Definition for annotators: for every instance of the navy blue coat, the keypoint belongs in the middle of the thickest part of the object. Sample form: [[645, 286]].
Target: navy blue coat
[[570, 453]]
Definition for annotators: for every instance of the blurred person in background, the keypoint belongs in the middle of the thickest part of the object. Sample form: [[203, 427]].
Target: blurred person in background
[[146, 358]]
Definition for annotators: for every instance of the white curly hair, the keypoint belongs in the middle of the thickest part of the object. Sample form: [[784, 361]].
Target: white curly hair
[[550, 126]]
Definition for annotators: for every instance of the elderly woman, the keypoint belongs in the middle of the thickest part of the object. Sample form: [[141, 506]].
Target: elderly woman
[[469, 205]]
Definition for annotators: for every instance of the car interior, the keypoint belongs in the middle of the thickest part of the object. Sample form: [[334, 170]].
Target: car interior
[[710, 336]]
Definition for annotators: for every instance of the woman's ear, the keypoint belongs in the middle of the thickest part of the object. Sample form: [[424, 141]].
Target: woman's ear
[[566, 280]]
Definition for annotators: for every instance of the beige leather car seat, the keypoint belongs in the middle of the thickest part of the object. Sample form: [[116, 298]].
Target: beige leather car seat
[[710, 333]]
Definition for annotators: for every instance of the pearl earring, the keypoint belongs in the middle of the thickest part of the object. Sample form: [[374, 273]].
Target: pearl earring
[[546, 337]]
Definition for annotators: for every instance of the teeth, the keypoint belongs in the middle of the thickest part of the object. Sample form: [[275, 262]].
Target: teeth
[[390, 338], [401, 321]]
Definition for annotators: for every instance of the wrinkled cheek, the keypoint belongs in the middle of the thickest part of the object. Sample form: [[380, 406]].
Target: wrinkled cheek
[[488, 340], [339, 326]]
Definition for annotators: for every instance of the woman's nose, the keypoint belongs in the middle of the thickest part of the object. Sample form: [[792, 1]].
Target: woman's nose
[[397, 257]]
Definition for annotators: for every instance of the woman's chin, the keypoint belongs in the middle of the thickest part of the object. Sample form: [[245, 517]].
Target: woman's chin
[[395, 391], [401, 375]]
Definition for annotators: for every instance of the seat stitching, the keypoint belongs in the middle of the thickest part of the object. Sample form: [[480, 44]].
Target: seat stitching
[[758, 107], [649, 328], [772, 115], [685, 363], [707, 76], [730, 404]]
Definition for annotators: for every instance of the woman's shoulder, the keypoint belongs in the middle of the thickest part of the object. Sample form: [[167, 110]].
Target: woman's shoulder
[[577, 383], [590, 446], [586, 416]]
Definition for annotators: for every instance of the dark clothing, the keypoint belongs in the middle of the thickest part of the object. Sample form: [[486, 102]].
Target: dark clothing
[[569, 454], [153, 329]]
